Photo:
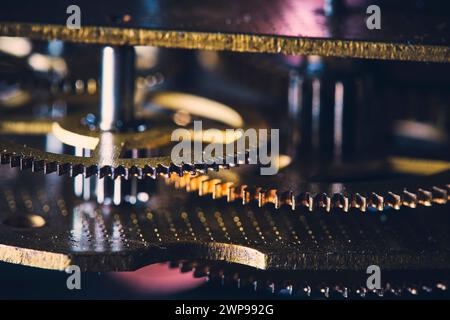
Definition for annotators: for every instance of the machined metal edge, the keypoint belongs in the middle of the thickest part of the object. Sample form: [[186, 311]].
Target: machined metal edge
[[230, 42]]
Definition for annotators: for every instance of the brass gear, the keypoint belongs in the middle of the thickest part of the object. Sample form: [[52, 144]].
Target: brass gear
[[289, 188], [45, 226], [107, 147]]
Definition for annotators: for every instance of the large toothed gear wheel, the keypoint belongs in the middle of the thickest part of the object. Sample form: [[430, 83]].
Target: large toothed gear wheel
[[48, 227], [295, 188], [144, 152]]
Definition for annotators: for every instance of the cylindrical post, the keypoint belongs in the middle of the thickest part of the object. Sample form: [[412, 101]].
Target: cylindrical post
[[117, 87]]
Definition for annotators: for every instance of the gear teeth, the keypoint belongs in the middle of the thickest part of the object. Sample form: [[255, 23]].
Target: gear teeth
[[252, 194], [339, 201], [162, 170], [305, 200], [28, 158], [149, 172], [105, 171], [221, 277], [200, 167], [214, 167], [74, 170], [217, 189], [201, 271], [64, 168], [261, 197], [287, 198], [188, 168], [90, 171], [409, 199], [440, 196], [393, 200], [15, 161], [38, 166], [50, 167], [359, 202], [26, 163], [207, 187], [120, 171], [376, 201], [197, 183], [173, 168], [271, 196], [135, 172], [248, 194], [239, 192], [221, 190], [424, 197], [322, 201], [231, 194]]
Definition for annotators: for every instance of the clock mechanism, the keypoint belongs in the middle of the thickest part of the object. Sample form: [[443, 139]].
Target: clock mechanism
[[88, 115]]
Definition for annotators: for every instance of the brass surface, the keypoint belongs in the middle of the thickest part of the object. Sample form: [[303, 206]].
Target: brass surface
[[174, 225], [292, 188], [232, 42]]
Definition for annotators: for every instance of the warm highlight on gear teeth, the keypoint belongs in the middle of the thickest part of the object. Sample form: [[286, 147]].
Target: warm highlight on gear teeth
[[193, 152]]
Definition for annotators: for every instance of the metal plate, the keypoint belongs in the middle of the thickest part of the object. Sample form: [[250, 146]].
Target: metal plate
[[174, 226], [290, 27]]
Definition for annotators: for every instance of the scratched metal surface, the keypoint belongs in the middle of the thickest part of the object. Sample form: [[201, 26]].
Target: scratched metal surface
[[175, 226], [402, 21]]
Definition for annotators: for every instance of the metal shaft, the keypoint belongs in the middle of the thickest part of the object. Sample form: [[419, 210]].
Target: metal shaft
[[117, 87]]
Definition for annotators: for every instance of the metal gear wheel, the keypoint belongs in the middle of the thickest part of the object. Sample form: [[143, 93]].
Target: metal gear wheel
[[107, 147], [293, 187], [45, 226]]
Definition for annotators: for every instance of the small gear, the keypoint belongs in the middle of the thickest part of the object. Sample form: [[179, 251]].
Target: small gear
[[94, 156], [107, 147]]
